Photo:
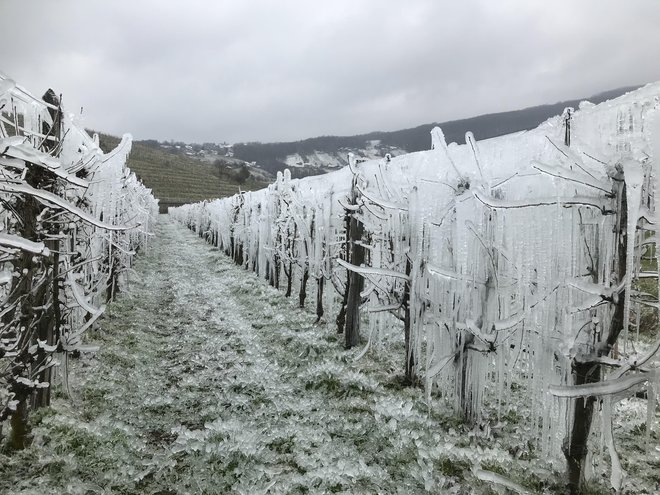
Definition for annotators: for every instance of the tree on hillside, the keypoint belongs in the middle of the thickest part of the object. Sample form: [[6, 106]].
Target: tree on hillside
[[242, 174]]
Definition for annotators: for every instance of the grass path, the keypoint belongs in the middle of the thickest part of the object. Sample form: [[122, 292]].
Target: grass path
[[209, 381]]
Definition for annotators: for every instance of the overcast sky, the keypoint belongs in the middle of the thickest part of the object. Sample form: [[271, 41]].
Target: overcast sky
[[258, 70]]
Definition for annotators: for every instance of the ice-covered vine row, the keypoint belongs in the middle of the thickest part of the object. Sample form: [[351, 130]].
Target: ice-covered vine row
[[513, 260], [71, 221]]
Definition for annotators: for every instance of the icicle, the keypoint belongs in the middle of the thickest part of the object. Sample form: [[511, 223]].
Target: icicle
[[6, 86], [634, 177], [650, 407], [498, 479], [470, 140], [438, 143], [618, 474]]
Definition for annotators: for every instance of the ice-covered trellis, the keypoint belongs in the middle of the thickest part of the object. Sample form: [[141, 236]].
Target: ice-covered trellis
[[510, 260], [72, 219]]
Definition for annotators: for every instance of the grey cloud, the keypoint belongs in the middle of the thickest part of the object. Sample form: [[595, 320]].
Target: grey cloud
[[262, 70]]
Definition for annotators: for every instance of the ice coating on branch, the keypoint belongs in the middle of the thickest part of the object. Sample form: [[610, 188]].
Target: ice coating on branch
[[472, 142], [79, 295], [607, 387], [373, 271], [5, 277], [58, 201], [437, 139], [14, 241], [571, 175], [498, 479], [594, 202], [6, 85]]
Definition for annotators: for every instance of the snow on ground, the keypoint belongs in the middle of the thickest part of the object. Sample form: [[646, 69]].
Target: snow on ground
[[321, 159], [294, 160], [317, 159], [209, 381]]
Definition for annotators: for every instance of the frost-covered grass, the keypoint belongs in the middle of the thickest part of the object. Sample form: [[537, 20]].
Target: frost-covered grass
[[209, 381]]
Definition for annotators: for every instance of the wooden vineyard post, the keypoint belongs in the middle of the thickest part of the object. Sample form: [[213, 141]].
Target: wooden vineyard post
[[320, 283], [112, 289], [275, 274], [410, 376], [23, 296], [341, 316], [291, 246], [414, 242], [321, 240], [568, 114], [35, 294], [355, 280], [575, 444], [49, 324], [302, 293], [236, 244], [276, 260]]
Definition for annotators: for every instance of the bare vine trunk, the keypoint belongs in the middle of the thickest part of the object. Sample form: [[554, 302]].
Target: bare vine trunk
[[289, 279], [410, 375], [341, 316], [319, 298], [289, 273], [302, 295], [48, 327]]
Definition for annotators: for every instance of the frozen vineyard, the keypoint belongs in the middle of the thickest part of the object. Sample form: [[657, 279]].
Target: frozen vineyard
[[71, 219], [509, 261]]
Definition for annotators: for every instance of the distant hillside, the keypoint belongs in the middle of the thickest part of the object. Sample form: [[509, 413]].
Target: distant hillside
[[182, 173], [330, 151], [177, 179]]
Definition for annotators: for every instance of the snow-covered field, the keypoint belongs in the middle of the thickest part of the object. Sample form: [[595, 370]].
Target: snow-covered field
[[210, 381], [320, 159]]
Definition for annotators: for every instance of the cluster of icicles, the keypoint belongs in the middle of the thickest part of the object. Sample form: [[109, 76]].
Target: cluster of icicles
[[505, 250], [92, 214]]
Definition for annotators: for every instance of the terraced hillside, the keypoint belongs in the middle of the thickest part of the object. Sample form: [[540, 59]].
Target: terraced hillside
[[176, 178]]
